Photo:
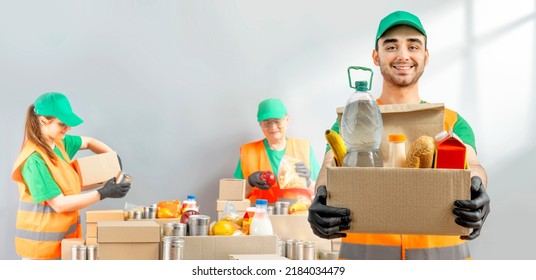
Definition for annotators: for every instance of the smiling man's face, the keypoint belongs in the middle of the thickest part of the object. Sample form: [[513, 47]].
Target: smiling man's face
[[401, 55]]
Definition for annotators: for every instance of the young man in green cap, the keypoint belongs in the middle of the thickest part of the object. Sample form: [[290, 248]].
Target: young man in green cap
[[401, 53], [291, 160], [49, 187]]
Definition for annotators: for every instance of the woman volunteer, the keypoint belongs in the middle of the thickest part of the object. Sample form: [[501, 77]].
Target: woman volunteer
[[49, 187]]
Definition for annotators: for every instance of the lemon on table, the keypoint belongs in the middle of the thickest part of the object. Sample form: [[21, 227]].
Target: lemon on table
[[223, 228]]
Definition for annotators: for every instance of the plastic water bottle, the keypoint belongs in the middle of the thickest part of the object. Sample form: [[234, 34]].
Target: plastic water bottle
[[261, 224], [362, 127]]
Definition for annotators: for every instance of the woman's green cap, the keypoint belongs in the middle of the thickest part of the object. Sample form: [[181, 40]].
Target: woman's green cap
[[399, 18], [272, 108], [55, 104]]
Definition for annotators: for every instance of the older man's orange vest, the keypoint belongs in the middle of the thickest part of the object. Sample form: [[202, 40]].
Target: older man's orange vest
[[39, 228], [253, 158]]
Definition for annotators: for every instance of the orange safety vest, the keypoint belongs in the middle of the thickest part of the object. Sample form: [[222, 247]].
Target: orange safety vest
[[253, 157], [39, 228], [406, 247]]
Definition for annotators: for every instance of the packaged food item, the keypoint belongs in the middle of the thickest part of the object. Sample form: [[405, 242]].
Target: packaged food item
[[168, 209]]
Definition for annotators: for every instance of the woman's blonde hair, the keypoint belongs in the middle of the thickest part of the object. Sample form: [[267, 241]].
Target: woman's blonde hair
[[32, 132]]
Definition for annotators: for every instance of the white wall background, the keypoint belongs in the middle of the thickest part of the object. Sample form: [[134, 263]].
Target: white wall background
[[173, 86]]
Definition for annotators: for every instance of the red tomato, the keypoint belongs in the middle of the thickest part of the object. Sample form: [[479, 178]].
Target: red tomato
[[268, 177]]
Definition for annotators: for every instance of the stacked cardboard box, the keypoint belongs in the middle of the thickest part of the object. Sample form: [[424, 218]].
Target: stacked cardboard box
[[232, 191], [94, 216], [221, 247], [128, 240]]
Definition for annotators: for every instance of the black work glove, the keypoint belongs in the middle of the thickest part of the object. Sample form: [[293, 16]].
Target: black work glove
[[473, 213], [254, 180], [327, 221], [113, 190], [303, 171]]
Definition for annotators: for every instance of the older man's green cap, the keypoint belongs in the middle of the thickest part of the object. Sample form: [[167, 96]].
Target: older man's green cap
[[55, 104], [272, 108]]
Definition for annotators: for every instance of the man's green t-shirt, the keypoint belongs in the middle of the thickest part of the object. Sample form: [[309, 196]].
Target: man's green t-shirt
[[37, 176]]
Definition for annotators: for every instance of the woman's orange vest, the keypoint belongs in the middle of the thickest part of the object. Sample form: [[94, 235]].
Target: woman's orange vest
[[411, 247], [253, 157], [39, 228]]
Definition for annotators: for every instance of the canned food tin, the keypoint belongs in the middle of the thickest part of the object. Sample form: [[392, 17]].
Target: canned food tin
[[281, 207], [309, 251], [299, 250], [198, 225], [149, 212], [172, 248], [92, 252], [136, 214], [270, 209], [175, 229], [328, 255], [78, 252], [291, 249], [281, 247]]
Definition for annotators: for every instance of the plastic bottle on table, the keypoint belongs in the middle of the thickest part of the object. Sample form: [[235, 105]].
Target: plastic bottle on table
[[190, 204], [261, 224], [397, 150], [362, 127]]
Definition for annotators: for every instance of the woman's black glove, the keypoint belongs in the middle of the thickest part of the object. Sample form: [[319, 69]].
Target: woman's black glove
[[254, 180], [113, 190], [327, 221], [473, 213]]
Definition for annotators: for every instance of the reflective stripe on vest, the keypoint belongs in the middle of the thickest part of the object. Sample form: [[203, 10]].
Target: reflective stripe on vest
[[350, 251], [253, 157]]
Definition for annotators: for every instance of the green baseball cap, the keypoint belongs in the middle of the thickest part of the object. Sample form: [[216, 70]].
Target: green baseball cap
[[399, 18], [57, 105], [272, 108]]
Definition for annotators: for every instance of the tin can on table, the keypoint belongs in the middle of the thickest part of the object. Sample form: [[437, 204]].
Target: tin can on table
[[78, 252], [92, 252], [172, 248]]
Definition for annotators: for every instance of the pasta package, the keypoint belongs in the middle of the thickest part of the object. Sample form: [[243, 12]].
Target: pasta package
[[288, 177]]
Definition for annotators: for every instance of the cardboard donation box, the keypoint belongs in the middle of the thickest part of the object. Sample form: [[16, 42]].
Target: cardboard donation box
[[232, 189], [94, 216], [221, 247], [128, 240], [401, 200], [95, 170]]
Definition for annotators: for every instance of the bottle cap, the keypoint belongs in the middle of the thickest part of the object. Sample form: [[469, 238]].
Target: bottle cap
[[361, 85], [190, 196], [397, 137], [261, 202]]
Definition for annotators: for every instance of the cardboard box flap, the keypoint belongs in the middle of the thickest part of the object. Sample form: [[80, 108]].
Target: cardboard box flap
[[384, 190], [413, 120]]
